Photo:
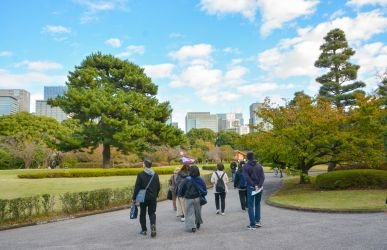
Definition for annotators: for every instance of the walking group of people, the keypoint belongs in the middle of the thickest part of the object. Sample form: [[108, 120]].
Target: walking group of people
[[188, 191]]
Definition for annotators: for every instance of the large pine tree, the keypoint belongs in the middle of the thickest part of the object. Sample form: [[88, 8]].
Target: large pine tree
[[336, 83]]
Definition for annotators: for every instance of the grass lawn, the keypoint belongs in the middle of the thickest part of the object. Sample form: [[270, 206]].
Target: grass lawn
[[306, 196], [13, 187]]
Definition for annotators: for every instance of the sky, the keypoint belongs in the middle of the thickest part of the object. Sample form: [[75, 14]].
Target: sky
[[215, 56]]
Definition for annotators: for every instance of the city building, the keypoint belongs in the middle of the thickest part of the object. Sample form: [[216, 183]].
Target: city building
[[254, 119], [22, 96], [201, 120], [54, 91], [8, 105], [175, 124], [244, 129], [230, 121], [44, 109]]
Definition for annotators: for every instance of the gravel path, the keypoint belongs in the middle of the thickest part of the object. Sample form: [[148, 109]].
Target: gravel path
[[283, 229]]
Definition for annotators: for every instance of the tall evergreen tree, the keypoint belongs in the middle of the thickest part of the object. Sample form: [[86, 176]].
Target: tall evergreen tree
[[116, 105], [336, 86]]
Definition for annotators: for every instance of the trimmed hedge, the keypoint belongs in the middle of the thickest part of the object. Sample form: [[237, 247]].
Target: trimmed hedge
[[41, 207], [362, 178], [71, 173]]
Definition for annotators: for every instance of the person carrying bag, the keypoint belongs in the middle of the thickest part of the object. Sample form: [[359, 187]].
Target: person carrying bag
[[146, 190]]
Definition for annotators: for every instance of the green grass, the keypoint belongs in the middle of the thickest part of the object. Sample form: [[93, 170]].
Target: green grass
[[294, 195], [13, 187]]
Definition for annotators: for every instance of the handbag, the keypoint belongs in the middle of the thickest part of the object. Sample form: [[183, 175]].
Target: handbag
[[169, 195], [133, 211], [203, 200], [141, 194]]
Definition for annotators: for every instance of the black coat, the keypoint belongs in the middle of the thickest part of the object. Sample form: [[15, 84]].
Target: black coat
[[141, 183]]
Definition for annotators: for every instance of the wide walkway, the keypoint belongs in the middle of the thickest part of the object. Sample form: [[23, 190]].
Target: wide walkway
[[283, 229]]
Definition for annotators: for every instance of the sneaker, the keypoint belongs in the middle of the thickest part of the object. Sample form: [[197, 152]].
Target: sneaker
[[182, 219], [153, 230], [217, 212], [143, 232], [258, 224], [249, 227], [198, 226], [193, 230], [223, 214]]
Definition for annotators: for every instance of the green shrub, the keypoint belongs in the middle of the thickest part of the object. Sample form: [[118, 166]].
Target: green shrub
[[70, 173], [210, 168], [363, 178], [3, 209], [48, 202]]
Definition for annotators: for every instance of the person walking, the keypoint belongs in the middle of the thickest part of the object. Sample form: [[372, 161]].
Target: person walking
[[233, 167], [220, 179], [192, 188], [253, 173], [181, 175], [149, 180], [172, 187], [240, 183]]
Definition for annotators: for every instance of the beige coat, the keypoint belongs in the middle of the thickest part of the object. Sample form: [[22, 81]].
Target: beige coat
[[214, 179]]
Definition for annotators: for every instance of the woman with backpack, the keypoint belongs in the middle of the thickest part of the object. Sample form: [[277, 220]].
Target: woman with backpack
[[191, 189], [219, 178], [241, 184]]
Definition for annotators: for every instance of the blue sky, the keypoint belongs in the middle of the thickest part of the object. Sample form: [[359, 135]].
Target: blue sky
[[205, 55]]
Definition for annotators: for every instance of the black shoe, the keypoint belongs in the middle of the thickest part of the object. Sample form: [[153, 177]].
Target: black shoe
[[143, 232], [153, 231], [193, 230], [198, 226]]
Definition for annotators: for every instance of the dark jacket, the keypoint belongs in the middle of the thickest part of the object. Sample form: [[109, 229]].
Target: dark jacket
[[154, 188], [240, 180], [179, 180], [189, 190], [253, 173]]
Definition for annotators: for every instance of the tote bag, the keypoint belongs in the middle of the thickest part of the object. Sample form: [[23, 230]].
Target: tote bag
[[133, 211], [141, 194]]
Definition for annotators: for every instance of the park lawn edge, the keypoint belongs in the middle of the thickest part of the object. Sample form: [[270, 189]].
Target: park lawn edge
[[284, 205]]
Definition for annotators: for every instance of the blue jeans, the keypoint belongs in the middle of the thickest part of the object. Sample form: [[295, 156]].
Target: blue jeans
[[254, 206]]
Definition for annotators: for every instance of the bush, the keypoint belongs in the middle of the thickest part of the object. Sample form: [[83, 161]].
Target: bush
[[364, 178], [70, 173]]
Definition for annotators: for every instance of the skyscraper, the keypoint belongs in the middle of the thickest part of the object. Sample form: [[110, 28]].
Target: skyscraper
[[254, 119], [230, 121], [201, 120], [8, 105], [44, 109], [22, 96], [53, 91]]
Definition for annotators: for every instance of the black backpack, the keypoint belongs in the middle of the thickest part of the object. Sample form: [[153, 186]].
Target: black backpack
[[220, 187]]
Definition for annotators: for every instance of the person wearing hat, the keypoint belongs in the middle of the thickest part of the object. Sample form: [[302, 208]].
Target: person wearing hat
[[147, 178], [253, 173]]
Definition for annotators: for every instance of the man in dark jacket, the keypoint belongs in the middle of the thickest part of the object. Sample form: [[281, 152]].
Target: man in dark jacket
[[148, 176], [253, 173]]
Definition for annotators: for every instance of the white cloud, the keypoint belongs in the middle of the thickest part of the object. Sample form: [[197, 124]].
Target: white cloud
[[372, 58], [56, 29], [336, 14], [132, 50], [360, 3], [274, 15], [192, 52], [245, 7], [29, 79], [258, 89], [114, 42], [176, 35], [296, 56], [234, 76], [39, 65], [231, 50], [160, 70], [94, 7], [5, 53]]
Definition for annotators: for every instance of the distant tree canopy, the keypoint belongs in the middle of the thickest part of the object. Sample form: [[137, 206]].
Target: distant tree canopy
[[115, 103], [205, 134], [335, 56]]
